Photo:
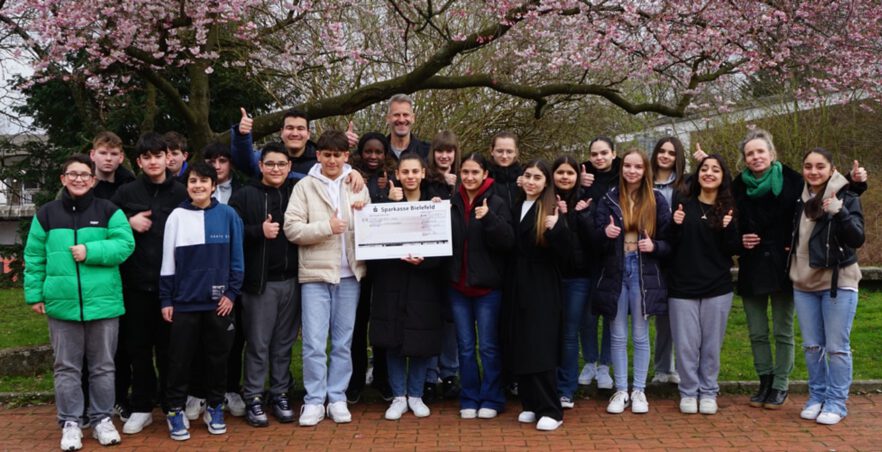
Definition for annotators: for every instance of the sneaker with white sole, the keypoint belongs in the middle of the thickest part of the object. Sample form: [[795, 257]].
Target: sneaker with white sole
[[487, 413], [660, 378], [339, 412], [396, 409], [674, 378], [106, 433], [604, 380], [707, 406], [418, 407], [468, 413], [548, 424], [566, 402], [71, 436], [137, 422], [618, 402], [234, 404], [527, 417], [689, 405], [828, 418], [587, 374], [214, 419], [194, 407], [178, 428], [121, 411], [639, 405], [311, 414], [811, 412]]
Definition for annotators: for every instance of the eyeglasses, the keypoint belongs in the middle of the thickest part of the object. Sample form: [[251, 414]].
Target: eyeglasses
[[276, 165], [81, 176]]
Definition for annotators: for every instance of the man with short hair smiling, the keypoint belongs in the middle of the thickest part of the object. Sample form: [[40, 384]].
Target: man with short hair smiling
[[400, 118]]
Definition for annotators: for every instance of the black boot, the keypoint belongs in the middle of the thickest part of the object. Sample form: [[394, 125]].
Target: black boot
[[762, 393], [776, 399]]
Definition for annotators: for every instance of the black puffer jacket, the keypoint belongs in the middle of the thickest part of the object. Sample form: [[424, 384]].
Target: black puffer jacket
[[105, 189], [505, 182], [265, 259], [652, 281], [480, 245], [141, 270]]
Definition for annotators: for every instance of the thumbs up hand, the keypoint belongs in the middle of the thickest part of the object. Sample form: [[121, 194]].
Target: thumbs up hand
[[727, 218], [586, 178], [270, 229], [551, 220], [679, 214], [561, 204], [612, 231], [338, 225], [832, 205], [351, 136], [246, 124], [858, 173], [583, 204], [698, 155], [481, 210], [645, 244], [395, 193]]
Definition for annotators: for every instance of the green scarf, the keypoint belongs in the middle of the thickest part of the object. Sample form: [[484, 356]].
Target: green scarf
[[772, 179]]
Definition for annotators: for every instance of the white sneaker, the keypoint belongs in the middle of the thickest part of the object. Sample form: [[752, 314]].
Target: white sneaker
[[707, 406], [587, 375], [688, 405], [674, 378], [811, 412], [548, 424], [527, 417], [137, 422], [234, 404], [618, 402], [71, 436], [339, 412], [311, 414], [660, 378], [487, 413], [396, 409], [639, 405], [418, 407], [468, 413], [604, 381], [106, 433], [195, 406], [828, 418], [567, 403]]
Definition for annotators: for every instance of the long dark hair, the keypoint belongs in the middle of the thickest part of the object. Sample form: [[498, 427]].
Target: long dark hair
[[724, 202], [679, 161], [814, 208], [358, 160], [571, 197], [546, 201], [444, 140]]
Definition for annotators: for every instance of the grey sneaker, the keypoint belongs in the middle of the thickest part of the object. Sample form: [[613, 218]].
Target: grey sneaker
[[282, 409], [254, 414]]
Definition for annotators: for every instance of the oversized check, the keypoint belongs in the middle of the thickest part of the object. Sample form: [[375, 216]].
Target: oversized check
[[395, 229]]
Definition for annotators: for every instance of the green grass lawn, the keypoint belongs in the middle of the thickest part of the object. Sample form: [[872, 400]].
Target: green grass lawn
[[20, 326]]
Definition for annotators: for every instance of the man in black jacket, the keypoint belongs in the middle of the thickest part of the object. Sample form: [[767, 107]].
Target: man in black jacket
[[270, 293], [147, 201], [400, 119], [107, 153]]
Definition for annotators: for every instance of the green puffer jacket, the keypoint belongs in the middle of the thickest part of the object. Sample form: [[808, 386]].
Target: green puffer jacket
[[89, 290]]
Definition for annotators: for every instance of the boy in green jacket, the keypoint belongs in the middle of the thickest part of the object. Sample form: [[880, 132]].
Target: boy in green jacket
[[72, 257]]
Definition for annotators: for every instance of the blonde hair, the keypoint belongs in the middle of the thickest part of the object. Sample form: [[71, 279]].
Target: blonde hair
[[638, 209]]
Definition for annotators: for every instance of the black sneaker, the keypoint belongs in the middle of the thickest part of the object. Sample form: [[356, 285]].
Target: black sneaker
[[122, 412], [254, 414], [353, 396], [282, 409], [430, 392], [450, 388], [385, 391]]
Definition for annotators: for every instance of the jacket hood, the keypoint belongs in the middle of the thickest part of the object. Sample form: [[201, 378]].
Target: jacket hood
[[188, 204], [316, 172], [670, 180]]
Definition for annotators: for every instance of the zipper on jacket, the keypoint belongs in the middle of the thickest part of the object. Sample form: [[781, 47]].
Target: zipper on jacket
[[77, 266], [827, 245], [261, 287], [285, 270]]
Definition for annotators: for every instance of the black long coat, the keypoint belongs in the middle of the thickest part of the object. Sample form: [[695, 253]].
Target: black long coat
[[533, 308]]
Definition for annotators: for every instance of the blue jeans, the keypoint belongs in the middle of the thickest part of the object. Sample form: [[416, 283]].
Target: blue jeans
[[483, 311], [825, 324], [406, 375], [630, 299], [575, 292], [446, 364], [588, 335], [328, 307]]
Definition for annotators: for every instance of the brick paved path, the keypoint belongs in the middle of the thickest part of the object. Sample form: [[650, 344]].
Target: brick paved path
[[587, 427]]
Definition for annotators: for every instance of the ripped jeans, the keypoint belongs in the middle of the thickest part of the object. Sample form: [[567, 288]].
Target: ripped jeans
[[825, 323]]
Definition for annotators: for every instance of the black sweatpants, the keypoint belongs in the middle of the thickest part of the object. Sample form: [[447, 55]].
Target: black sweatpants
[[360, 344], [538, 393], [145, 335], [211, 336]]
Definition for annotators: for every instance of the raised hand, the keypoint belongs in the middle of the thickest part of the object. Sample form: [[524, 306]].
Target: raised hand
[[395, 193], [858, 173], [246, 124], [832, 205], [338, 225], [586, 178], [750, 241], [551, 220], [351, 136], [270, 229], [582, 204], [698, 155], [561, 204], [481, 210], [727, 218], [679, 214], [645, 244], [612, 231], [141, 222]]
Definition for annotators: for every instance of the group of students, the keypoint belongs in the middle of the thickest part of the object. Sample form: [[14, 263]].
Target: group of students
[[541, 251]]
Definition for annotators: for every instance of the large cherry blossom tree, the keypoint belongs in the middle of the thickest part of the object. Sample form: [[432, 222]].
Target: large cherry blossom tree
[[335, 57]]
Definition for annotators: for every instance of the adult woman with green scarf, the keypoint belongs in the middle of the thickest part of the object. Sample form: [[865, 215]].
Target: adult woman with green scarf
[[766, 194]]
